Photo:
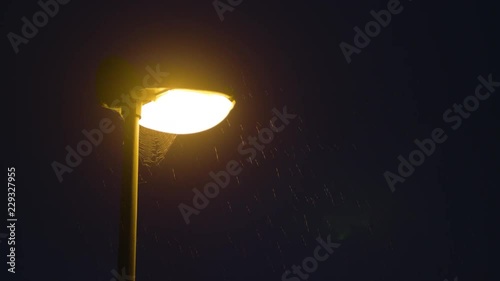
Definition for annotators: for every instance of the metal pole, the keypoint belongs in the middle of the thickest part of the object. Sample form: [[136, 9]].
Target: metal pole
[[129, 192]]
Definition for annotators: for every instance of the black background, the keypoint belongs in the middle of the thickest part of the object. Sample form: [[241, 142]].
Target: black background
[[353, 121]]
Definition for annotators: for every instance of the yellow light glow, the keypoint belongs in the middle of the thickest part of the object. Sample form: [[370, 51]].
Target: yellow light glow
[[183, 111]]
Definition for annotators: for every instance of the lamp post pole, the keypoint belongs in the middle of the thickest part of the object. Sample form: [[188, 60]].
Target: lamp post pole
[[129, 193]]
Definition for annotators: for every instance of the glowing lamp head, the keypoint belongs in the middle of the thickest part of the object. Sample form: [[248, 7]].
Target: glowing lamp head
[[184, 111]]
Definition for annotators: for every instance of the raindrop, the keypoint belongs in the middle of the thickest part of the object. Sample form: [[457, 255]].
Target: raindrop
[[269, 221], [141, 179], [329, 225], [229, 206], [277, 173], [258, 234], [272, 154], [367, 203], [305, 221], [303, 240], [271, 124], [270, 263], [286, 153], [327, 191], [216, 154], [296, 165], [279, 248], [313, 201], [191, 251], [293, 192], [173, 172], [149, 170]]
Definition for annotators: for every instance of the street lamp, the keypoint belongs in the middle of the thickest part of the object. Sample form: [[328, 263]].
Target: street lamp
[[185, 111], [175, 111]]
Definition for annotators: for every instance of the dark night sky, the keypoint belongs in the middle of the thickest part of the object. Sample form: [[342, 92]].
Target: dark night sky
[[323, 175]]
